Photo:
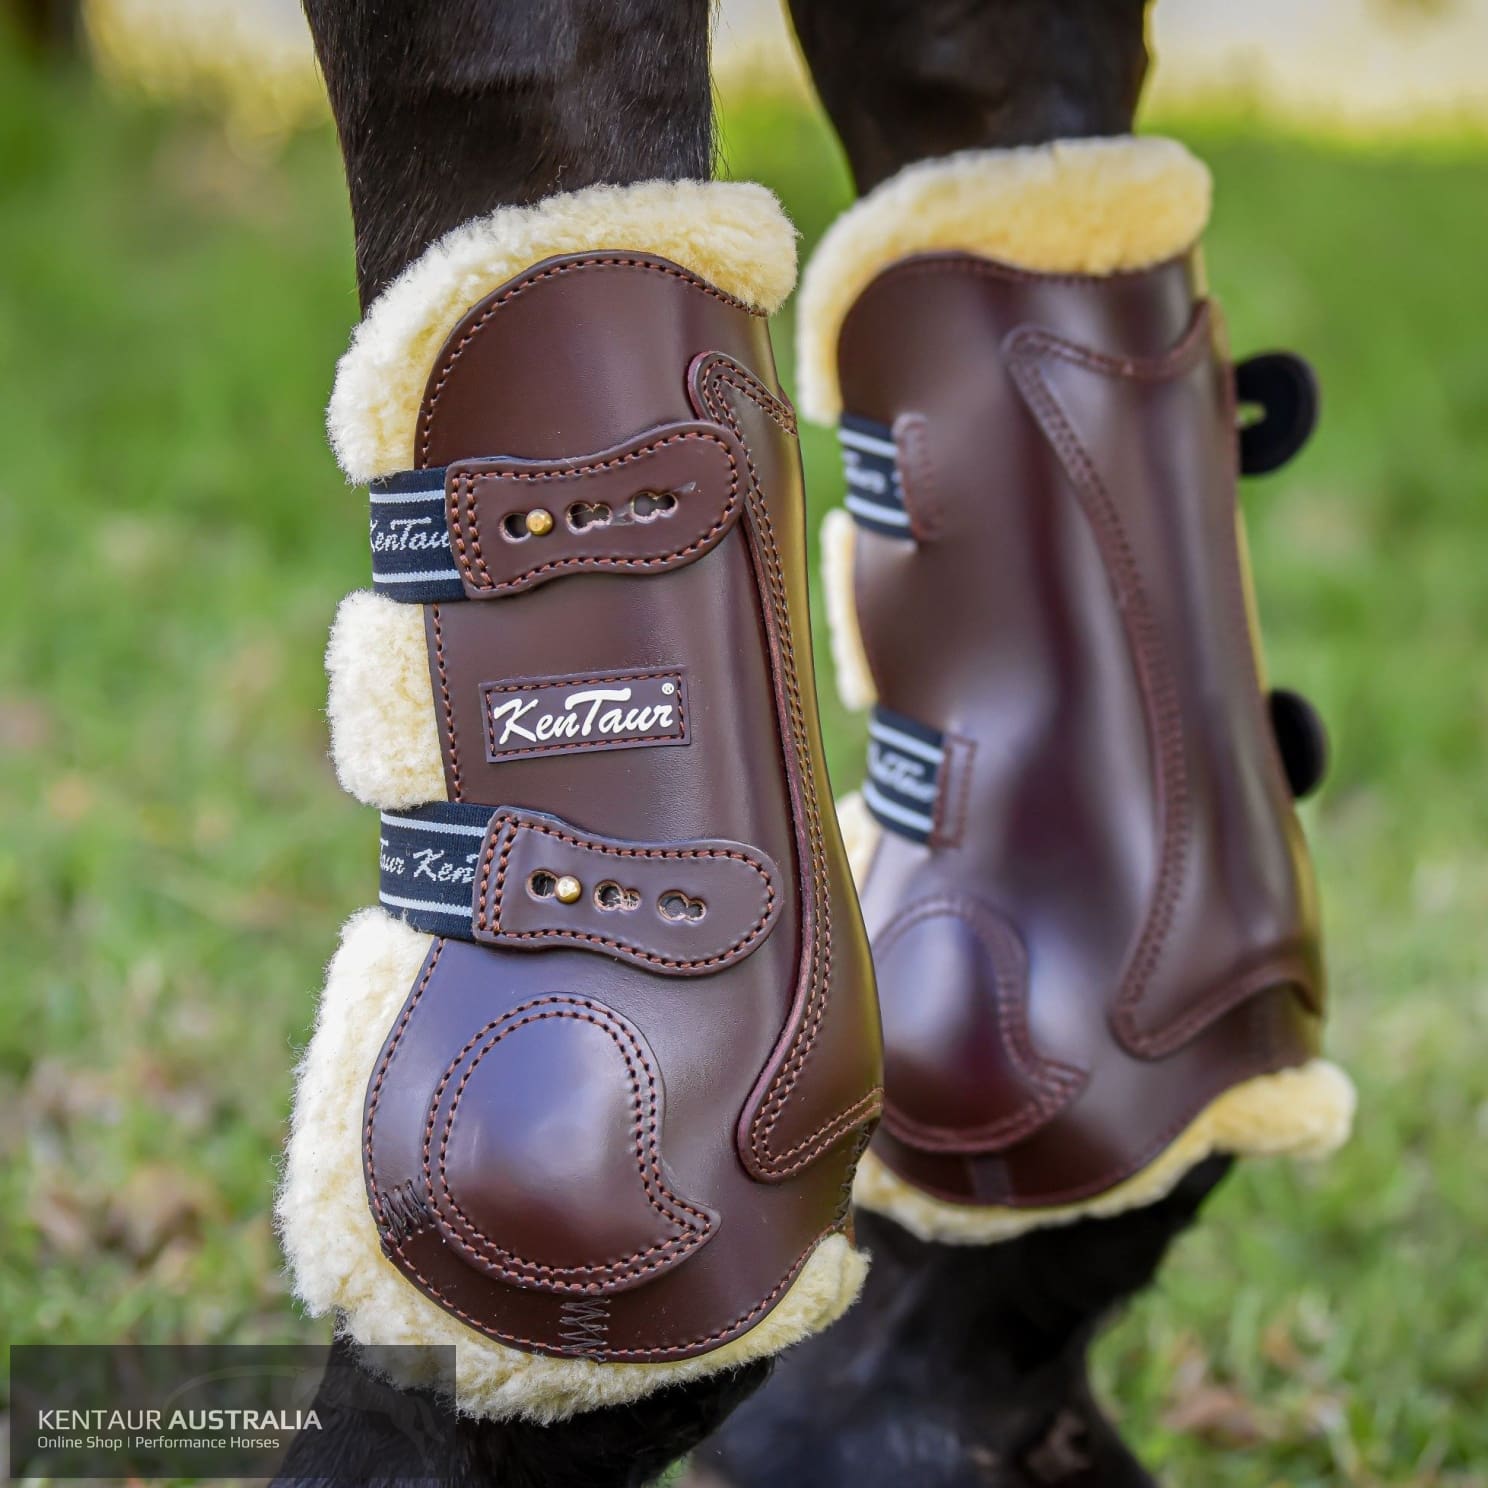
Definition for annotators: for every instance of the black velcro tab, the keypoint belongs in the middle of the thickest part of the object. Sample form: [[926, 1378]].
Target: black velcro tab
[[870, 461], [905, 761], [409, 530], [1301, 740], [1285, 389]]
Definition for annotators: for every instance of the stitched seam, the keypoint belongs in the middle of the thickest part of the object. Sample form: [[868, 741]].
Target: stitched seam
[[917, 478], [465, 484], [1268, 1063], [953, 799], [1179, 359], [487, 688], [449, 711], [1159, 690], [1053, 1082], [646, 1145], [430, 962], [489, 916], [803, 1039], [431, 401], [1285, 963], [919, 265], [719, 1335]]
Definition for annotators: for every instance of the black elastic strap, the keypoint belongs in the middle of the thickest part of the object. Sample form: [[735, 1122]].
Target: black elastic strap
[[905, 761], [411, 558]]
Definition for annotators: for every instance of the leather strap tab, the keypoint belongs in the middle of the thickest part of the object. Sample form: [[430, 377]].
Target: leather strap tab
[[480, 528], [654, 503], [684, 909], [518, 878], [917, 778], [1284, 387]]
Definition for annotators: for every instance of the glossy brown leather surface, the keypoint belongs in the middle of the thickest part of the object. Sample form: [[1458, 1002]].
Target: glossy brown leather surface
[[575, 1148], [1114, 920], [685, 909], [607, 511]]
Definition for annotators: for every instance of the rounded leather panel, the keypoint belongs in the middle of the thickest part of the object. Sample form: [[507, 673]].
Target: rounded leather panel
[[959, 1062], [543, 1159]]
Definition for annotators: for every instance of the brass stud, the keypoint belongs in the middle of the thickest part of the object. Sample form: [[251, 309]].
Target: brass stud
[[539, 522], [568, 889]]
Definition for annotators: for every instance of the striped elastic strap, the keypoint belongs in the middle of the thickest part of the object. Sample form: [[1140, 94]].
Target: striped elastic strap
[[428, 859], [905, 762], [411, 558], [875, 492]]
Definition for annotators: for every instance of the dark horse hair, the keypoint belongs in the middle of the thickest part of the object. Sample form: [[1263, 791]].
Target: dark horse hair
[[960, 1365], [448, 108]]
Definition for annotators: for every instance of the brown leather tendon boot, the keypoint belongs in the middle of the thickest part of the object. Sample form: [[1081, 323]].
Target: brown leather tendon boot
[[586, 1094], [1091, 906]]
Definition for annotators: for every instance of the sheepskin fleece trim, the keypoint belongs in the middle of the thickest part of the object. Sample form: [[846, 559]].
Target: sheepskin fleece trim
[[860, 833], [849, 660], [1304, 1112], [1094, 206], [331, 1242], [731, 233], [384, 739]]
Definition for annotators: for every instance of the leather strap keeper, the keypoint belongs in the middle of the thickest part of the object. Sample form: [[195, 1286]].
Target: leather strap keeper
[[481, 528], [527, 880]]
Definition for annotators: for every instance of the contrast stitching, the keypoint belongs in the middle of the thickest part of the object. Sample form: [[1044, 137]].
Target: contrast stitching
[[803, 1037], [1245, 1069], [464, 493], [506, 830], [431, 960], [976, 267], [649, 1355], [719, 1335], [449, 711], [955, 796], [431, 400], [1158, 687], [566, 1278], [1054, 1083]]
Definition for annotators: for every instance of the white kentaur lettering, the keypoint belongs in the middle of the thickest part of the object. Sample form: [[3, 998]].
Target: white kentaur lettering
[[431, 863], [594, 698], [510, 713], [580, 714], [408, 535]]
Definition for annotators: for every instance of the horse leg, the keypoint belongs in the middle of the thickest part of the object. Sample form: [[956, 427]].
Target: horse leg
[[446, 109], [910, 80]]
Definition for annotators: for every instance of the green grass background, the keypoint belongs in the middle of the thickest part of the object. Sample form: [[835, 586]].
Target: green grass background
[[176, 858]]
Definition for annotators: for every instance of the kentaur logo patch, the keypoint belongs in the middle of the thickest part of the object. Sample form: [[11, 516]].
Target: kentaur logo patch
[[567, 715]]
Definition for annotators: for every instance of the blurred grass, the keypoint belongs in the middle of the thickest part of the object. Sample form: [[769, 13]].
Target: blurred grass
[[176, 856]]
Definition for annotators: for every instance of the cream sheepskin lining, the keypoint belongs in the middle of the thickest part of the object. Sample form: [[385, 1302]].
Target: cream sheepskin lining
[[384, 739], [1093, 206], [731, 233], [855, 684], [1304, 1112], [860, 833], [332, 1244]]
